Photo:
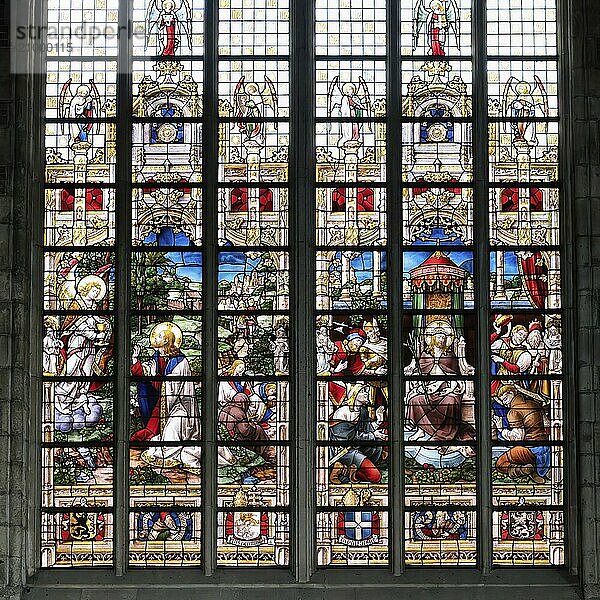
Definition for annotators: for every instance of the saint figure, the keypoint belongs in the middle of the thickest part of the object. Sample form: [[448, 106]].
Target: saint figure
[[86, 349], [349, 100], [83, 105], [434, 409], [251, 102], [168, 408], [51, 347], [522, 101]]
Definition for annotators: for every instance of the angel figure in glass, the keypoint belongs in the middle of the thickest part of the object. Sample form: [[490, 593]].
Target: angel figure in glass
[[254, 101], [522, 101], [439, 18], [79, 107], [349, 101], [169, 26]]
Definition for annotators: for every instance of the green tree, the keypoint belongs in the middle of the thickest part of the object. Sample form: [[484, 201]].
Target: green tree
[[260, 356], [152, 276]]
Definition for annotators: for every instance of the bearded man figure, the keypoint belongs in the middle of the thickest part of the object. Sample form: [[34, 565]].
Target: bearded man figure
[[168, 408], [434, 408], [438, 356], [525, 422]]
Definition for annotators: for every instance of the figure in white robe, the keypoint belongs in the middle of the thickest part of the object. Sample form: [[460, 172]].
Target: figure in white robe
[[281, 352], [81, 106], [325, 349], [85, 341], [169, 27], [553, 342], [347, 101], [51, 347], [522, 102]]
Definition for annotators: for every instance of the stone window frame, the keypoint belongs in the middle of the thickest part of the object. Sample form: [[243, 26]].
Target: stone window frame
[[560, 578]]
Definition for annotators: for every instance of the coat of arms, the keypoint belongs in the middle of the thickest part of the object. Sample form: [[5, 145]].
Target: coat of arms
[[358, 527], [522, 525], [246, 527], [82, 526]]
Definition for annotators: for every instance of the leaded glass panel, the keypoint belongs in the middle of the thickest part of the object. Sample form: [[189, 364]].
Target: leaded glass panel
[[188, 174]]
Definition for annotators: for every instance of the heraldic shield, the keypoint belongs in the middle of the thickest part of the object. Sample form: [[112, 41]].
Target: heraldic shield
[[358, 528], [81, 526], [247, 528]]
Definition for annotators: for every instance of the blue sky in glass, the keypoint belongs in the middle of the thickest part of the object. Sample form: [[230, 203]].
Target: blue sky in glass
[[167, 237], [232, 264], [511, 266], [363, 265], [187, 264]]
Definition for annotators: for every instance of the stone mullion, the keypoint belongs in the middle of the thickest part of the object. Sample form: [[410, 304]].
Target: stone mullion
[[395, 291], [568, 276], [32, 157], [302, 285], [581, 224], [123, 141], [210, 167], [482, 284]]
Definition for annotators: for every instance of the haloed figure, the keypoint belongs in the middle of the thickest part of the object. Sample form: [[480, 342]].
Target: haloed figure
[[174, 398], [85, 352], [440, 17]]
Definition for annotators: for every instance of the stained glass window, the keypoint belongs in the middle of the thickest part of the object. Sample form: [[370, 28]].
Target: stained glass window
[[527, 414], [408, 156]]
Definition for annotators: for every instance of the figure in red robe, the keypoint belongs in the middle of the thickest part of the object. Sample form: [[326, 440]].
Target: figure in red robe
[[346, 360], [439, 17], [169, 26]]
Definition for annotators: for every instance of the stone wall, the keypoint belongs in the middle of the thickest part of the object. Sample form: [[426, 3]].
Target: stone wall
[[15, 277], [14, 322], [585, 82]]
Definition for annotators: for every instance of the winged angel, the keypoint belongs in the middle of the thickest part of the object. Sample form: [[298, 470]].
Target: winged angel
[[252, 102], [440, 17], [349, 100], [84, 105], [521, 101], [169, 25]]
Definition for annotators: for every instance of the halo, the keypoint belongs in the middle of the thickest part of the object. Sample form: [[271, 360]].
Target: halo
[[166, 326], [93, 279], [346, 87], [439, 324]]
